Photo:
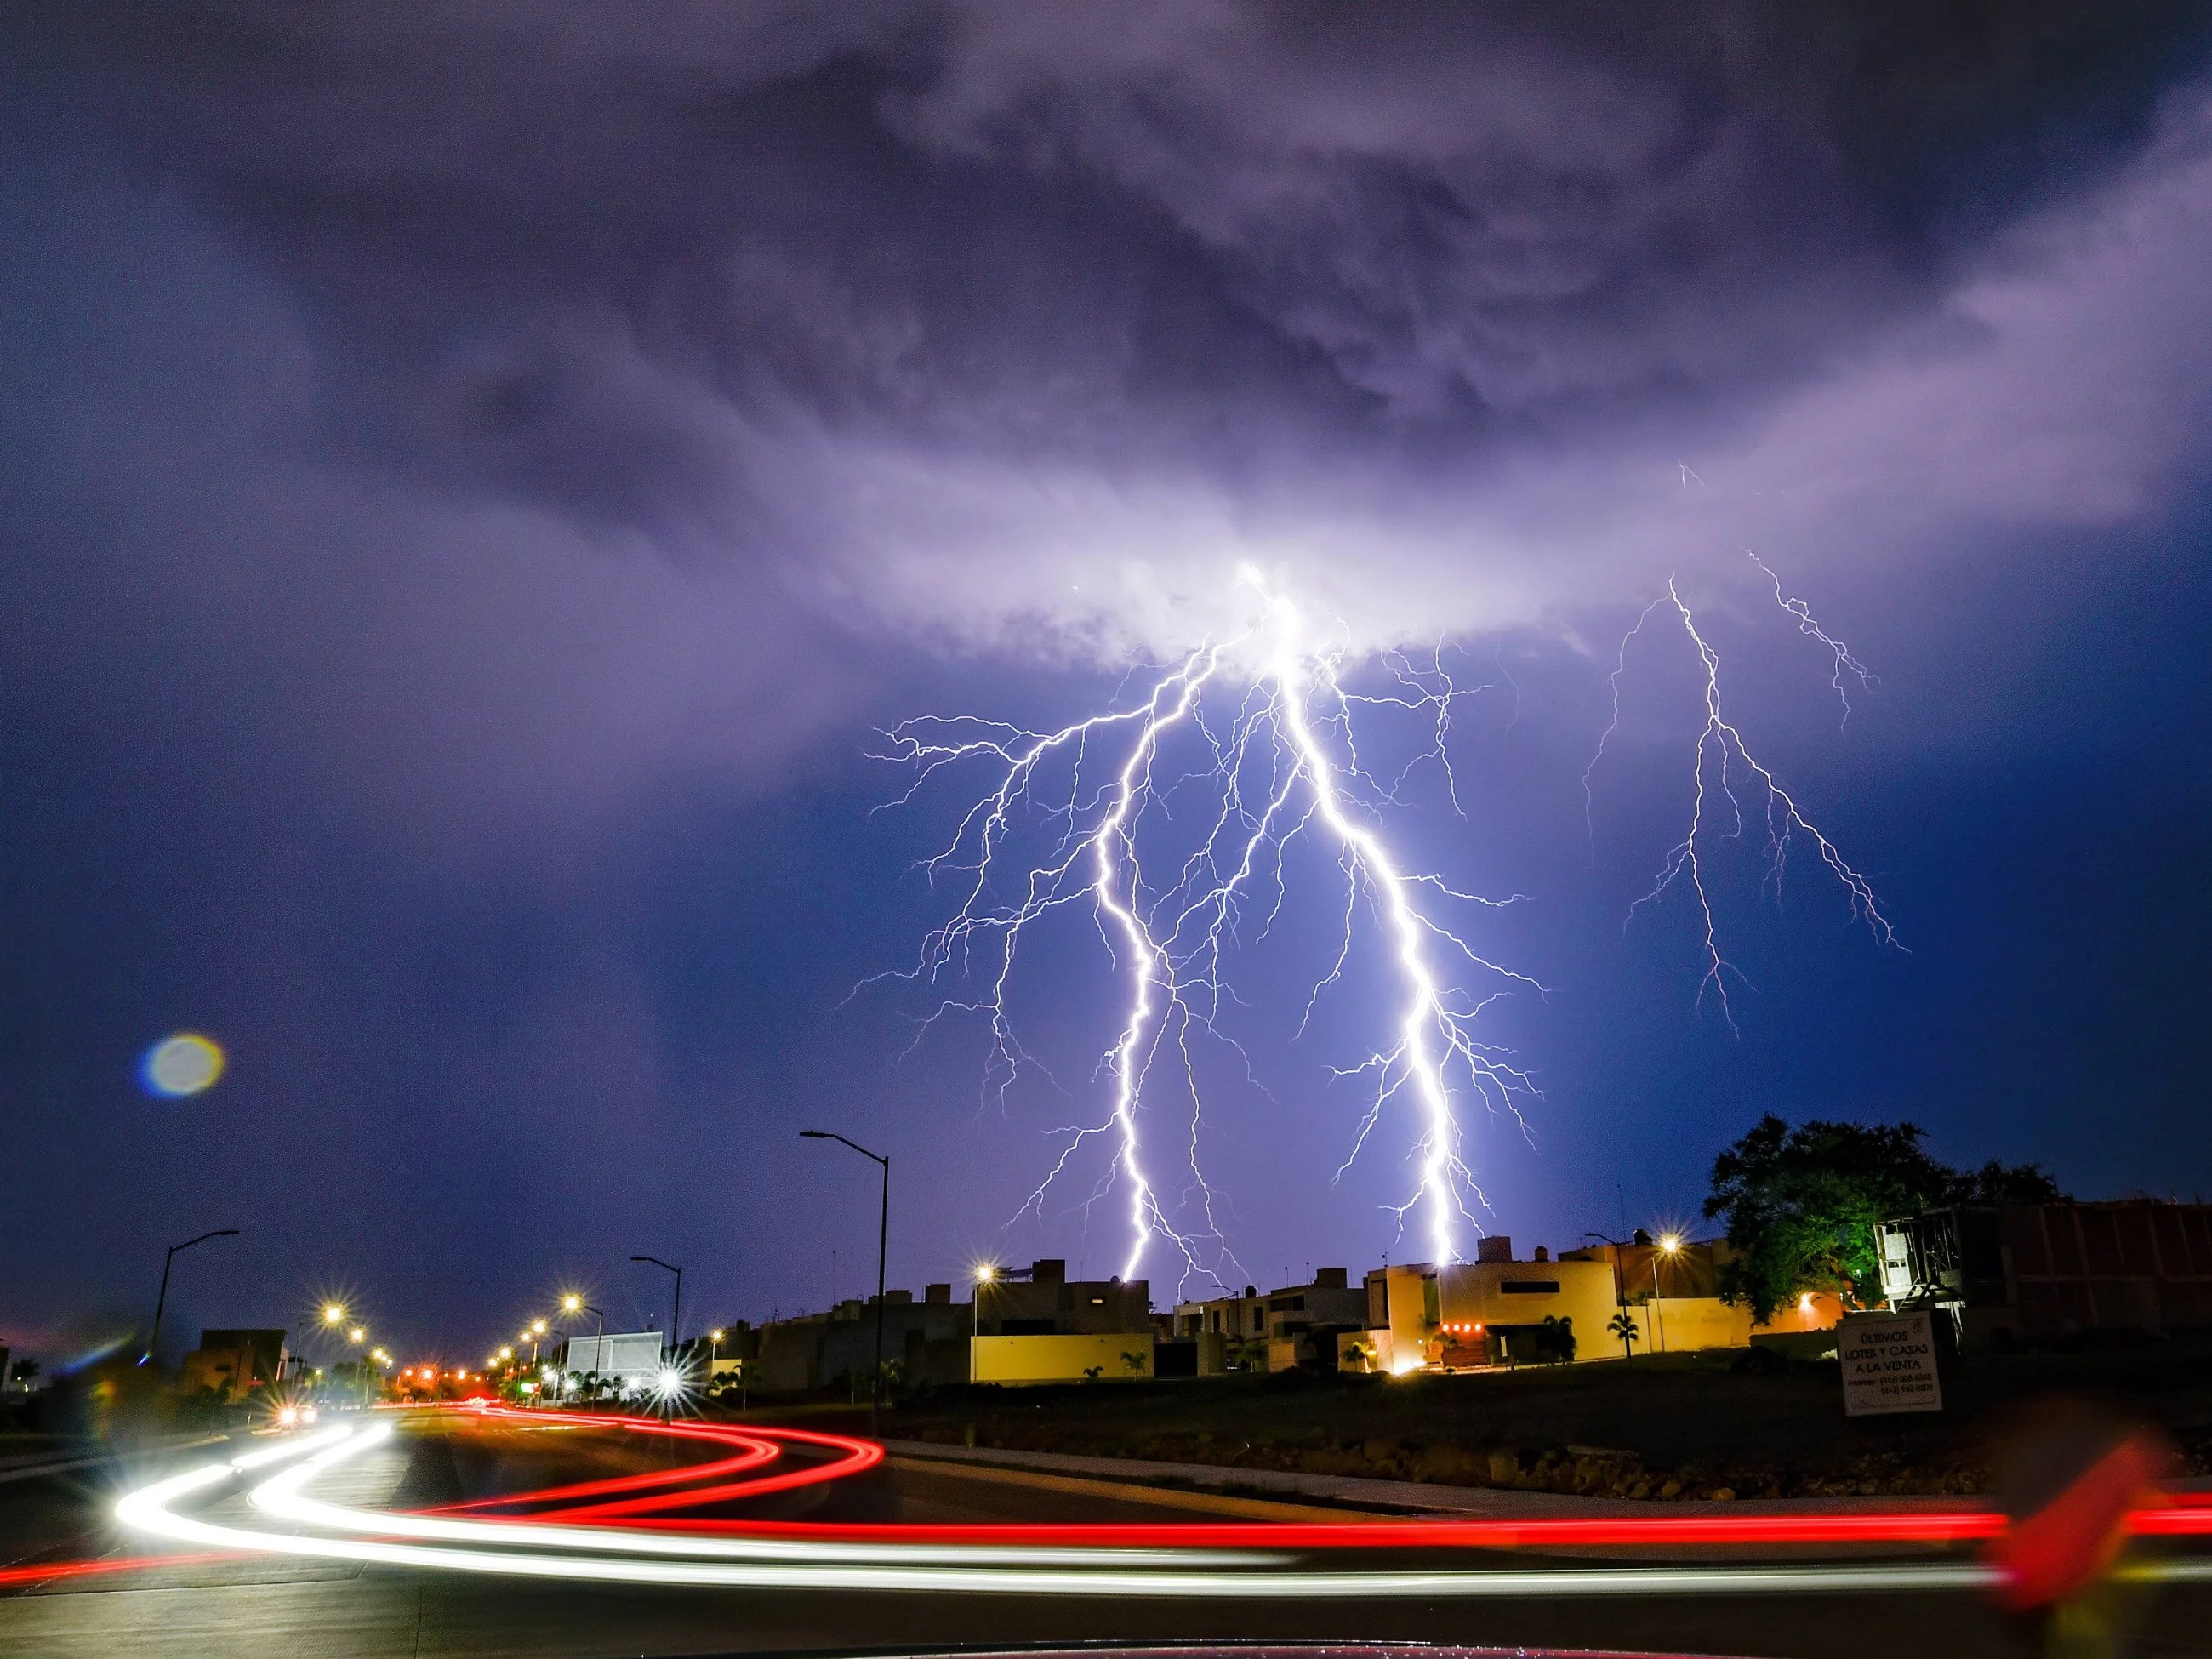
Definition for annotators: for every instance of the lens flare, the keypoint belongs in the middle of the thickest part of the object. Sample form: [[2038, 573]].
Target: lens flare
[[185, 1064]]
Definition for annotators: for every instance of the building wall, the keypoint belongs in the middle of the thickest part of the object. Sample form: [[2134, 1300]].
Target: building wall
[[1279, 1317], [237, 1361], [1105, 1357], [1489, 1298], [848, 1345], [1048, 1302], [1232, 1318], [2041, 1270]]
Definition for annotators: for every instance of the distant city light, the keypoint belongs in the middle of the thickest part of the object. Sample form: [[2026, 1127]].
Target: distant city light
[[185, 1064]]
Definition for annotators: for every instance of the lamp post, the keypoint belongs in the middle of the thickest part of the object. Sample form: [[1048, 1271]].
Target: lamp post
[[573, 1303], [883, 1239], [676, 1318], [986, 1273], [162, 1301], [1670, 1244]]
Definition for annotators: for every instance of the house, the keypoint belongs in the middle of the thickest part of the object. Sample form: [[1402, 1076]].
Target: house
[[1299, 1324], [1035, 1324], [236, 1362], [2028, 1272], [1491, 1311]]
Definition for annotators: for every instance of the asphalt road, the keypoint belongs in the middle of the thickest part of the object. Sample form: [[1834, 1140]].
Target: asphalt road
[[285, 1609]]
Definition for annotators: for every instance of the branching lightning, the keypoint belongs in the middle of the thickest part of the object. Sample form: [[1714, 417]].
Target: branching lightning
[[1282, 762], [1721, 761], [1077, 818]]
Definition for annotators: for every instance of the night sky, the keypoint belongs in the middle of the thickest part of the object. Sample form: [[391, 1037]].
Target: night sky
[[477, 481]]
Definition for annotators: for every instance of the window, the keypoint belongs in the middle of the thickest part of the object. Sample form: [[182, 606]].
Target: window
[[1529, 1286]]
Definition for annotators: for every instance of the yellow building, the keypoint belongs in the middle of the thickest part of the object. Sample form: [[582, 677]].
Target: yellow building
[[1491, 1311], [1496, 1310], [1092, 1357]]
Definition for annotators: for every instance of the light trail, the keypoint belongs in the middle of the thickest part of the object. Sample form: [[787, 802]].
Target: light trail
[[1240, 1560], [150, 1509], [1282, 761]]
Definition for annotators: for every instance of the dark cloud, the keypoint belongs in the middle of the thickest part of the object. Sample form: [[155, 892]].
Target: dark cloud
[[884, 293]]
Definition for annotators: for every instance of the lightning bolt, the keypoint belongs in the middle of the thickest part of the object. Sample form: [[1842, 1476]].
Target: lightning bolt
[[1073, 818], [1282, 764], [1721, 761]]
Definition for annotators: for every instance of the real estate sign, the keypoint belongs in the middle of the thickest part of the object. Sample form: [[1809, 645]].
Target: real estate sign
[[1889, 1364]]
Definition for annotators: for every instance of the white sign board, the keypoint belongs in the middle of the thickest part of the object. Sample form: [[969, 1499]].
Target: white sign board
[[1889, 1364]]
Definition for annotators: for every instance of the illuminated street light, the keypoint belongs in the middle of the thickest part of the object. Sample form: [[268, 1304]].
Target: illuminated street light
[[507, 1353], [1669, 1244], [985, 1274], [334, 1313], [356, 1336], [538, 1328]]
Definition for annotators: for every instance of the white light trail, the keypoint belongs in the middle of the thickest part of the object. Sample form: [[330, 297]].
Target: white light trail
[[1282, 761], [644, 1556]]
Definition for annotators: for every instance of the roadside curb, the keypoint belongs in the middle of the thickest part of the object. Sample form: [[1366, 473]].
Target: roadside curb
[[1399, 1497], [1126, 1491]]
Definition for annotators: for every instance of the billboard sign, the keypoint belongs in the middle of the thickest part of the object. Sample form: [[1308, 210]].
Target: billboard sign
[[1889, 1364]]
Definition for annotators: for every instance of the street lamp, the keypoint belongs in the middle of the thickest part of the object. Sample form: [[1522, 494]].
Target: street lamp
[[883, 1239], [986, 1275], [1670, 1244], [162, 1301], [572, 1303], [334, 1313], [676, 1316]]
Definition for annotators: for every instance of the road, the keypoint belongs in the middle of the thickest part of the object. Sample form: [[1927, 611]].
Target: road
[[243, 1607]]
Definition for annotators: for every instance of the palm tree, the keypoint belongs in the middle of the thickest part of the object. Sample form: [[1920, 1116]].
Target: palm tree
[[1623, 1327]]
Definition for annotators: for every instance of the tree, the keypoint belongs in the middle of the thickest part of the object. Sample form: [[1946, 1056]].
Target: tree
[[1623, 1326], [1802, 1204]]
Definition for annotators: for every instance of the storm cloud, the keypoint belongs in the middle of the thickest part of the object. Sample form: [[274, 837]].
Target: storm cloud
[[964, 318]]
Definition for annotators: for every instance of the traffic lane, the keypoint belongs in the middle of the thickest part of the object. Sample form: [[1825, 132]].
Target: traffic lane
[[69, 1512], [385, 1612], [269, 1605]]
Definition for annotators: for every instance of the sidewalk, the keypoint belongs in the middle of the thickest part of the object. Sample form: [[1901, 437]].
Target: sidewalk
[[1404, 1497]]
